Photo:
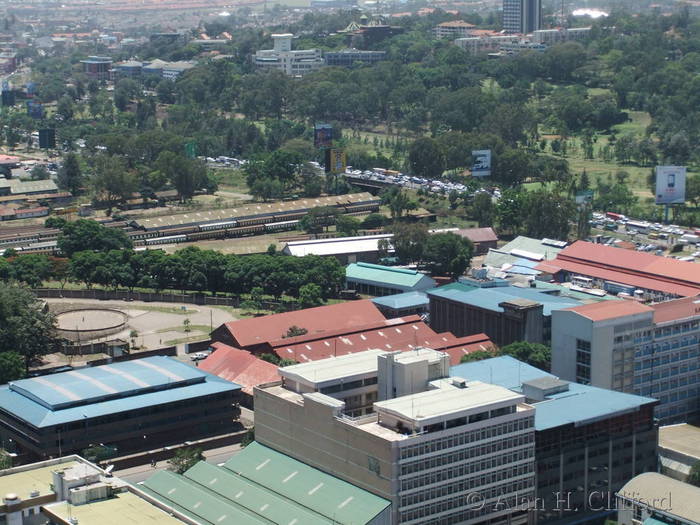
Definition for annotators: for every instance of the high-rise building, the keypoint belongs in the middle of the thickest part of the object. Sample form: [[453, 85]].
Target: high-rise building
[[522, 16], [648, 350], [444, 451]]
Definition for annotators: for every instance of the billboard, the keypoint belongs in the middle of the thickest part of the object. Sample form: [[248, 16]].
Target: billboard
[[481, 163], [8, 98], [35, 110], [323, 135], [47, 138], [335, 161], [584, 197], [670, 184]]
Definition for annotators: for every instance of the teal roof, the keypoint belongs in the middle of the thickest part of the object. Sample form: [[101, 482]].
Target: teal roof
[[378, 275], [255, 487], [654, 521], [103, 390], [579, 405], [400, 301]]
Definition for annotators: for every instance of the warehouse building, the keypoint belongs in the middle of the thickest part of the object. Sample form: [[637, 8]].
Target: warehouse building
[[253, 488], [346, 249], [589, 441], [401, 304], [130, 406], [655, 499], [378, 280], [679, 450], [616, 270]]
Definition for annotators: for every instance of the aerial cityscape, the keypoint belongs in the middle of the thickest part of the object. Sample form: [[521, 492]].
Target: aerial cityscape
[[350, 262]]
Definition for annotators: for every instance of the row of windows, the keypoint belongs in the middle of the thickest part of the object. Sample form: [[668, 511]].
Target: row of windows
[[464, 469], [462, 485], [467, 437], [670, 345], [350, 385], [461, 455], [666, 359], [475, 501]]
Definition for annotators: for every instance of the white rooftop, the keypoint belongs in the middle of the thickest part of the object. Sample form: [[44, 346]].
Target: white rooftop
[[336, 246], [334, 368], [434, 405]]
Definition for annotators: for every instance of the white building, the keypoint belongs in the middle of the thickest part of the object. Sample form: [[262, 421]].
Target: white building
[[655, 499], [631, 347], [453, 29], [554, 36], [442, 450], [282, 57]]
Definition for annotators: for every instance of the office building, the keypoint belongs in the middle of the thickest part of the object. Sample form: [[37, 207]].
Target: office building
[[130, 406], [396, 425], [97, 68], [504, 312], [453, 29], [644, 275], [560, 34], [70, 491], [655, 499], [649, 350], [589, 441], [260, 486], [291, 62], [378, 280], [348, 57], [522, 16]]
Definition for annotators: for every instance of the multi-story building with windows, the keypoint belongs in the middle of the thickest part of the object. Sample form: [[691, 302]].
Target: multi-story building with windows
[[649, 350], [589, 441], [442, 450], [522, 16], [281, 56]]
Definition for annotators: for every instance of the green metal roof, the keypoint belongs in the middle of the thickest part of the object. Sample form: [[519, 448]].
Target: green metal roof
[[337, 500], [262, 486], [379, 275]]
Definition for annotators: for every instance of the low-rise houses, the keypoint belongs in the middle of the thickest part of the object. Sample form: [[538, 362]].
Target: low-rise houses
[[453, 29]]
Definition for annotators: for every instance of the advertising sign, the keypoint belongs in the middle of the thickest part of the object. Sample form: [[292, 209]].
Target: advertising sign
[[481, 163], [47, 138], [670, 184], [584, 197], [35, 110], [323, 135], [335, 161]]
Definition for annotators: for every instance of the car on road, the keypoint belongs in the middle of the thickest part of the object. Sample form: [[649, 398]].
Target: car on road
[[198, 356]]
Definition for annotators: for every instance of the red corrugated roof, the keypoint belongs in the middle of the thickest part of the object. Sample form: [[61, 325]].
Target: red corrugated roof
[[676, 309], [239, 366], [317, 321], [641, 263], [457, 348], [610, 309], [396, 334]]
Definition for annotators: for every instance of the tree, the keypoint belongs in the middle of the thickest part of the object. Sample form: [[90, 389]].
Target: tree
[[24, 327], [398, 202], [31, 269], [70, 177], [478, 355], [11, 367], [318, 218], [184, 459], [484, 210], [85, 234], [347, 225], [694, 475], [187, 175], [547, 214], [534, 354], [295, 331], [374, 221], [513, 167], [447, 254], [408, 241], [39, 172], [310, 295], [65, 108], [111, 181], [426, 158]]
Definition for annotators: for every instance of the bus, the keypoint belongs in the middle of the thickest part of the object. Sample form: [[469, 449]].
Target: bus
[[640, 227], [583, 282], [615, 216]]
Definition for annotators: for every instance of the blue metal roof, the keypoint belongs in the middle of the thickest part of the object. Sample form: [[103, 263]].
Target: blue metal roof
[[403, 300], [580, 405], [108, 389], [490, 298]]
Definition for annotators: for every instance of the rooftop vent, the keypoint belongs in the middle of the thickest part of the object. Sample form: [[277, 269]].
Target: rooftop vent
[[459, 382]]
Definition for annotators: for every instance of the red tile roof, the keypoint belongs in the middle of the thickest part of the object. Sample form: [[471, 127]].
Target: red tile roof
[[317, 321], [239, 366], [610, 309], [459, 347], [676, 309]]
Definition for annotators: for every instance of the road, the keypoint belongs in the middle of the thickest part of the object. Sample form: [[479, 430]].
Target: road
[[140, 473]]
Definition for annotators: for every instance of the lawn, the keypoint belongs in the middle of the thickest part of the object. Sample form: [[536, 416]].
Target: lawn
[[192, 328], [231, 180]]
